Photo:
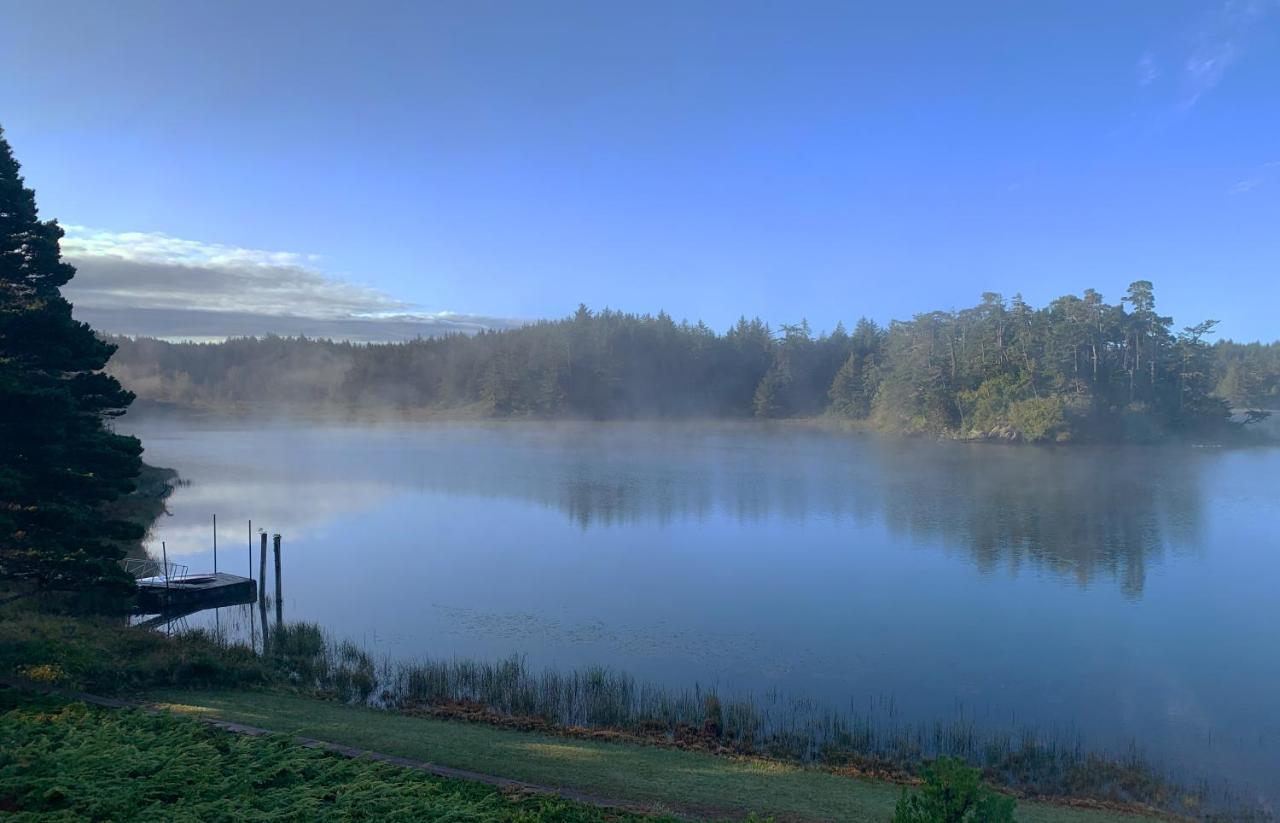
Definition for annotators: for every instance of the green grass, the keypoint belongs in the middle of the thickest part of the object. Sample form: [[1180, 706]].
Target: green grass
[[678, 779], [66, 761]]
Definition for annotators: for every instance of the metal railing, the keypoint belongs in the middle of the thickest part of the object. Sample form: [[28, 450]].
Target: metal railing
[[141, 567]]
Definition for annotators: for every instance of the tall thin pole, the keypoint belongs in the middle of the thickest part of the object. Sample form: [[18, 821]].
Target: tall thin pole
[[252, 629], [262, 570], [215, 544], [262, 592], [165, 556], [279, 597], [168, 626]]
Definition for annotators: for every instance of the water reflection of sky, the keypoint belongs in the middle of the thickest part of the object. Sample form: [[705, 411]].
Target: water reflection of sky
[[1121, 592]]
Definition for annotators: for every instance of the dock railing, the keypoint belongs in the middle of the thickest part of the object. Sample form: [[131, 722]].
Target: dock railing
[[141, 567]]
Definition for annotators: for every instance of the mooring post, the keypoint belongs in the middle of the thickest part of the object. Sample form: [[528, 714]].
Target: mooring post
[[262, 570], [275, 539], [164, 556], [262, 592], [262, 618], [253, 630]]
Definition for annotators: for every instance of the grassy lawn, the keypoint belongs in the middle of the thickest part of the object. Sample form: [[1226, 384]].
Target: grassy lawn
[[64, 761], [644, 774]]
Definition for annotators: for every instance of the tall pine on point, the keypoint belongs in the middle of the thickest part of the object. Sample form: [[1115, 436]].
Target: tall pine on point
[[59, 462]]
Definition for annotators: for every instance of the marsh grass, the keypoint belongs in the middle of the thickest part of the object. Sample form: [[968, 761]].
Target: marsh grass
[[306, 657], [1048, 763]]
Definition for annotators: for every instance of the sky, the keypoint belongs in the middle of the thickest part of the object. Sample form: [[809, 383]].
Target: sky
[[381, 170]]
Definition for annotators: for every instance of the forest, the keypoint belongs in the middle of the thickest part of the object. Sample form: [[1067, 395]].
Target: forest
[[1078, 369]]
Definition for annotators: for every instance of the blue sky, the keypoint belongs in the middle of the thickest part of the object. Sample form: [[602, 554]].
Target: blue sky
[[509, 160]]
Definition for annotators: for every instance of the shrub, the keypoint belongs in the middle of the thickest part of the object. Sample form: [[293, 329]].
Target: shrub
[[987, 407], [301, 651], [953, 793], [1038, 418], [108, 656]]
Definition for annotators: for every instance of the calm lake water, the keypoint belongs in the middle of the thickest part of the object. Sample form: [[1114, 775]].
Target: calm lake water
[[1127, 594]]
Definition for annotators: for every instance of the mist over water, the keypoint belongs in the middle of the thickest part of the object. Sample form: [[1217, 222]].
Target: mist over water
[[1128, 594]]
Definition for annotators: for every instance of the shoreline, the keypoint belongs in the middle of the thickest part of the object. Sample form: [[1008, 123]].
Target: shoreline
[[312, 680], [270, 413]]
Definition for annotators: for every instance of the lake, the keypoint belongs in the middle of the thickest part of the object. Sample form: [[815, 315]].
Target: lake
[[1121, 593]]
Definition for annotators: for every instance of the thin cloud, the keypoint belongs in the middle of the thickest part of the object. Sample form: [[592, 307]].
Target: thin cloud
[[1205, 69], [1259, 176], [1148, 69], [1189, 68], [1218, 43], [151, 284]]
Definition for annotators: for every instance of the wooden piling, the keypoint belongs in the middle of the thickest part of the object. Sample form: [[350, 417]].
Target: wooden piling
[[262, 618], [275, 539], [262, 569], [253, 630], [164, 558], [262, 593]]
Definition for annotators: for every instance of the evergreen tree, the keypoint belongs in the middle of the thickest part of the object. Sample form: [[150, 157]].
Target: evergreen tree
[[1241, 386], [849, 395], [774, 392], [59, 463]]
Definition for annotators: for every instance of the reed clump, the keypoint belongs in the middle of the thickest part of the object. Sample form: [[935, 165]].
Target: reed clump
[[302, 653]]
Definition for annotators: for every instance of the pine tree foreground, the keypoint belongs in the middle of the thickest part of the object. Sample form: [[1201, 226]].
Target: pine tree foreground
[[59, 462]]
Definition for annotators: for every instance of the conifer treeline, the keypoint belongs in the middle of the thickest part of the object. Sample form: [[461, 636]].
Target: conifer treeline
[[1079, 368], [1248, 374], [60, 465]]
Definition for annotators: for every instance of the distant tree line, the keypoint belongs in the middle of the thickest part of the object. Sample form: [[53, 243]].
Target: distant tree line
[[1079, 368], [1248, 374]]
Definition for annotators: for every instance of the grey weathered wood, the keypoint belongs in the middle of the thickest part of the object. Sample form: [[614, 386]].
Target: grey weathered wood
[[275, 539], [206, 591], [262, 591], [262, 570]]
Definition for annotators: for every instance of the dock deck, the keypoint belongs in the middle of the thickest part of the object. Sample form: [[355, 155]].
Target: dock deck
[[202, 591]]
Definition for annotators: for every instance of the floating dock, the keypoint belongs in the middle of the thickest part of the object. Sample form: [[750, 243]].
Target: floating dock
[[194, 591]]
